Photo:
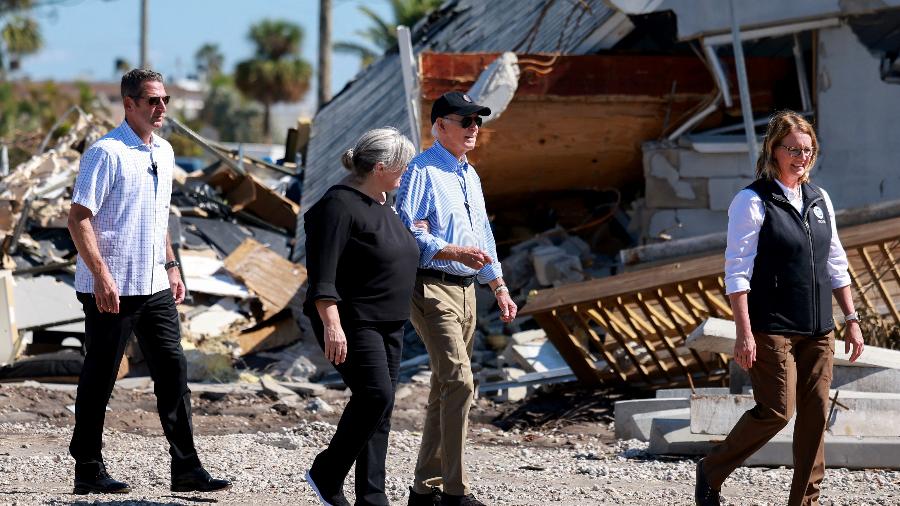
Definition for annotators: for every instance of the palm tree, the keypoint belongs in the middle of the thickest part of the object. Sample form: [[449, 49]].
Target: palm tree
[[209, 60], [20, 35], [276, 73], [383, 34]]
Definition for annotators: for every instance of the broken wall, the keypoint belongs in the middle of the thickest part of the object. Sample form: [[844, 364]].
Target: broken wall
[[857, 122]]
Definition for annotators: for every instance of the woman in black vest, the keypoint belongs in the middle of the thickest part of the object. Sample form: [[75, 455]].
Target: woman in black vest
[[362, 264], [782, 263]]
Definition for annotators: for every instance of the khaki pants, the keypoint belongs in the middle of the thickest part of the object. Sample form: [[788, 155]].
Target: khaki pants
[[443, 314], [789, 371]]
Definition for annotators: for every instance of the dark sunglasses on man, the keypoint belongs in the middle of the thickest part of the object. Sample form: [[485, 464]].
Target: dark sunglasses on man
[[154, 101], [467, 121]]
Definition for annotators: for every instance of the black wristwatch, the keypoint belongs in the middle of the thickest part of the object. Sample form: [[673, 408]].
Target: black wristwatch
[[173, 263]]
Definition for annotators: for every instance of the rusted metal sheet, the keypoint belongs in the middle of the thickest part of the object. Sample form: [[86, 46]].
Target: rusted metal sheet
[[632, 328]]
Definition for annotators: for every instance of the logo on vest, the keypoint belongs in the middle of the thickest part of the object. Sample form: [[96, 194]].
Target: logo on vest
[[819, 214]]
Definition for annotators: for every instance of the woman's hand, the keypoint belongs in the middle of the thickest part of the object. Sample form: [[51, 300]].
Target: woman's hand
[[745, 348], [335, 344], [853, 337], [334, 339]]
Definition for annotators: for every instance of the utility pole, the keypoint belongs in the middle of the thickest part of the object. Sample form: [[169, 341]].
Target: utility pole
[[144, 62], [324, 78]]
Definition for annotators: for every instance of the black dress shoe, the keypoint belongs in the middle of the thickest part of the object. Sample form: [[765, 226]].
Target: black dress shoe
[[326, 497], [432, 498], [460, 500], [197, 480], [704, 494], [94, 478]]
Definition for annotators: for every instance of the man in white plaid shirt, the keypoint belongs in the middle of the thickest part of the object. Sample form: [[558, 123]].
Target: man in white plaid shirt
[[127, 280]]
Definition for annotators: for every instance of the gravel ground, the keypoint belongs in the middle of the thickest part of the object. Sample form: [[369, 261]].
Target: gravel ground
[[266, 453]]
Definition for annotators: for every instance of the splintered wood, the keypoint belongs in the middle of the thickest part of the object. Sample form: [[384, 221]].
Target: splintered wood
[[632, 328]]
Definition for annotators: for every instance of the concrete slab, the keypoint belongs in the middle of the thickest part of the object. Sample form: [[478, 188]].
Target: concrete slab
[[680, 223], [668, 393], [694, 164], [865, 414], [858, 379], [723, 190], [674, 437], [625, 412], [717, 336], [642, 423]]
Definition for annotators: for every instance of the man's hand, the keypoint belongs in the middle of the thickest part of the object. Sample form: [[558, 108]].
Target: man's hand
[[508, 308], [106, 293], [745, 349], [853, 337], [473, 257], [335, 344], [176, 284]]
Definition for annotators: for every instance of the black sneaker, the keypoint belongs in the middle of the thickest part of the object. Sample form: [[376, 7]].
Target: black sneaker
[[460, 500], [94, 478], [432, 498], [704, 494], [197, 480], [327, 498]]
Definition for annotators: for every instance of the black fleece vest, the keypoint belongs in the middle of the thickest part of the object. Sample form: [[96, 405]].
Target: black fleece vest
[[790, 290]]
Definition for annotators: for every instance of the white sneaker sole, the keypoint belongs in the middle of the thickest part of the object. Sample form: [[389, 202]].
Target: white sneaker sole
[[316, 489]]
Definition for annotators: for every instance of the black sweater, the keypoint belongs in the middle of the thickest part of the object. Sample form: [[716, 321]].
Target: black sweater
[[359, 254]]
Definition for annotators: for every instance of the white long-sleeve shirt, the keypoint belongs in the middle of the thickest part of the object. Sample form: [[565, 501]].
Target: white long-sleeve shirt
[[745, 218]]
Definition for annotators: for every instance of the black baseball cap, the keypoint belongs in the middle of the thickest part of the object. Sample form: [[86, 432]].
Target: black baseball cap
[[456, 102]]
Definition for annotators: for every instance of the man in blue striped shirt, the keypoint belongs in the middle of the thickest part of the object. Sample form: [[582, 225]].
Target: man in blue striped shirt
[[441, 201]]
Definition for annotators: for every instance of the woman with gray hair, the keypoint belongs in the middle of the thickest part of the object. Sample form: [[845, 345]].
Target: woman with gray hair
[[362, 262]]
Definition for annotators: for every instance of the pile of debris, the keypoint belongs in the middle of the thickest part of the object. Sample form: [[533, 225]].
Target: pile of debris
[[231, 228]]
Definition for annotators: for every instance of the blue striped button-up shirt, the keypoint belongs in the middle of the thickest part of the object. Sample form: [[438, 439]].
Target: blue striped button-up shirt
[[130, 208], [447, 193]]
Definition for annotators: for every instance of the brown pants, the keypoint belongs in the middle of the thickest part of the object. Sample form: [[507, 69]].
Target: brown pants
[[443, 314], [789, 371]]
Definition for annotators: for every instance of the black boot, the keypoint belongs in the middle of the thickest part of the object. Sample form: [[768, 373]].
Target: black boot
[[704, 494], [197, 480], [93, 477], [432, 498], [460, 500]]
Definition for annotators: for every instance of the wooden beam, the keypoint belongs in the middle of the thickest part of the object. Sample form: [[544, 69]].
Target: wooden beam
[[569, 347]]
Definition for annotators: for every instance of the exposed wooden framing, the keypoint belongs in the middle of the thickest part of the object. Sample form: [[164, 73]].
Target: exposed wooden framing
[[876, 279], [569, 347], [658, 307]]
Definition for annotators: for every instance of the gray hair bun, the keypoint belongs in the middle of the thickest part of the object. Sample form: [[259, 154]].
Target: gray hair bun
[[347, 160]]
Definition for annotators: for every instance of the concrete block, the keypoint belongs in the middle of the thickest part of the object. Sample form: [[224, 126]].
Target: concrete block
[[642, 423], [685, 393], [683, 223], [625, 411], [723, 190], [717, 336], [843, 377], [659, 194], [694, 164], [554, 267], [866, 414], [674, 437]]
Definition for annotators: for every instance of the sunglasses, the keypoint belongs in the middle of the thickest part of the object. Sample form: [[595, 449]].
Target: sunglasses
[[154, 101], [467, 121]]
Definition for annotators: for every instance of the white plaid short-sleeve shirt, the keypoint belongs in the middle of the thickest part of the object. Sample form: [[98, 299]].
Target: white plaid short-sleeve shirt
[[129, 201]]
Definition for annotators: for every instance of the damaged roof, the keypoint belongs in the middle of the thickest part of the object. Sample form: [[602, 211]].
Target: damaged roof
[[376, 97]]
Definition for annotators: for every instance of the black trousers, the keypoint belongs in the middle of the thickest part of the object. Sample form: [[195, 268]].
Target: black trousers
[[370, 371], [154, 320]]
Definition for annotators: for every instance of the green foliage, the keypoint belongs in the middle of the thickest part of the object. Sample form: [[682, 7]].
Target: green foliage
[[276, 73], [383, 34], [225, 110], [19, 33], [209, 60]]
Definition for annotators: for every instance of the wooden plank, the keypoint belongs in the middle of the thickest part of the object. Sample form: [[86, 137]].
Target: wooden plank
[[876, 278], [671, 347], [669, 308], [601, 347], [662, 366], [274, 279], [569, 347], [860, 292], [601, 315]]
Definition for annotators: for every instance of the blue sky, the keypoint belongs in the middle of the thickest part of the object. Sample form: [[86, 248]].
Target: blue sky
[[83, 38]]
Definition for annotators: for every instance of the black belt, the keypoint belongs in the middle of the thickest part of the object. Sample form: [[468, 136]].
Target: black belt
[[462, 281]]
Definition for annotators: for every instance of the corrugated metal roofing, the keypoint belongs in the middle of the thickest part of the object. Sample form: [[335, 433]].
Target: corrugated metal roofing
[[375, 97]]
